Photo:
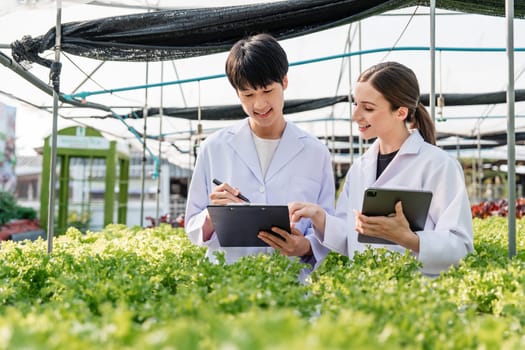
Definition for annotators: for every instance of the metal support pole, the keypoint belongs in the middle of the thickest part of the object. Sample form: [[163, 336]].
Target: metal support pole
[[479, 175], [350, 96], [161, 138], [432, 96], [511, 137], [350, 111], [55, 79], [360, 149], [143, 172]]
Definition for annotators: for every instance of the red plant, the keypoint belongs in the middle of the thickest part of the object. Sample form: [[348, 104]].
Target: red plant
[[166, 218], [497, 208]]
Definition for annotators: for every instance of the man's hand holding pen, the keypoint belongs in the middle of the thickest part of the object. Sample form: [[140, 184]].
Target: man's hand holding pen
[[224, 194]]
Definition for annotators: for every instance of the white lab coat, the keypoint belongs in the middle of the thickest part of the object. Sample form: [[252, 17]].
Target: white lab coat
[[300, 170], [447, 236]]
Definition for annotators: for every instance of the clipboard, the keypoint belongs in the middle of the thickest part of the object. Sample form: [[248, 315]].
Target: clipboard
[[381, 202], [238, 225]]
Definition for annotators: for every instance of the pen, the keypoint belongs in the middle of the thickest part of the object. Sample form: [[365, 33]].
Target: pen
[[240, 196]]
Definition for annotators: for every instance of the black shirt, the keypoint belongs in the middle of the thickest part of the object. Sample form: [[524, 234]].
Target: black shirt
[[383, 160]]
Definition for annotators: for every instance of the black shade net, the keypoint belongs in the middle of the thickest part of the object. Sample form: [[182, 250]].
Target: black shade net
[[231, 112], [181, 33]]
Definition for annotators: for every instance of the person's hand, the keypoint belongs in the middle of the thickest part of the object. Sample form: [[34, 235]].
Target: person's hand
[[221, 195], [394, 227], [291, 244], [224, 194], [310, 211]]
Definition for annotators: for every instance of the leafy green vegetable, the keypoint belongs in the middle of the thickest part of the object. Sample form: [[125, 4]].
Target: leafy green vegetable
[[135, 288]]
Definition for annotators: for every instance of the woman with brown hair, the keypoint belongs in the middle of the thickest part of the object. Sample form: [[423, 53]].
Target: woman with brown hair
[[403, 156]]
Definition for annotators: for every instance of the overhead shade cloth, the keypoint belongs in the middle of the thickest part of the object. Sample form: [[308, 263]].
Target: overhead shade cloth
[[229, 112], [475, 99], [501, 137], [487, 141], [174, 34]]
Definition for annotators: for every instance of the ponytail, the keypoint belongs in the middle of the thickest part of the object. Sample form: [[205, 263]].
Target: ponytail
[[421, 120]]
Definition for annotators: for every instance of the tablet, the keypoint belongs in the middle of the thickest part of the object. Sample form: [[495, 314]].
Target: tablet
[[381, 202], [239, 225]]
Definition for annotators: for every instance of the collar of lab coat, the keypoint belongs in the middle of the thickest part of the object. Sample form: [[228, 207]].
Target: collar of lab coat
[[289, 147], [412, 145]]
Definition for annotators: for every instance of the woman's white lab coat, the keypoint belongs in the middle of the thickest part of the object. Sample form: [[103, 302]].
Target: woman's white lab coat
[[300, 170], [418, 165]]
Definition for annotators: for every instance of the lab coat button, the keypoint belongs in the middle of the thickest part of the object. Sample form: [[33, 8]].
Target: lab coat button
[[261, 189]]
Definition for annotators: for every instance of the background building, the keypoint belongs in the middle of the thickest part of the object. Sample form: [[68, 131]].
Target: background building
[[87, 189]]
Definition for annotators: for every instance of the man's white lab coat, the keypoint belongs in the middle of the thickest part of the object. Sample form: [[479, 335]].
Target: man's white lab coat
[[300, 170]]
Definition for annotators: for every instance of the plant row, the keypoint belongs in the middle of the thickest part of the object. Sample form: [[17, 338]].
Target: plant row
[[134, 288]]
